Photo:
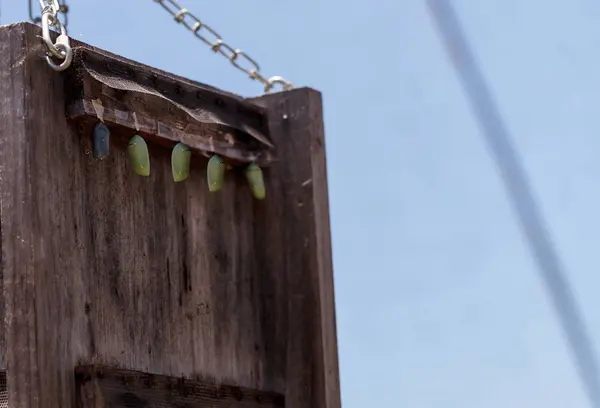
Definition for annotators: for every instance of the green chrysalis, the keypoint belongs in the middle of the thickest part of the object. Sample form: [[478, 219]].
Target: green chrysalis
[[139, 156], [180, 162], [215, 173], [256, 181]]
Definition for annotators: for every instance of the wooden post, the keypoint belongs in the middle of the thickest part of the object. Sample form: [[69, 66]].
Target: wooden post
[[128, 291]]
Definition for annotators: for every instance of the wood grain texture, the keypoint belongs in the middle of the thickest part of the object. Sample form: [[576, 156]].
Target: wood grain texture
[[299, 198], [167, 132], [106, 387], [101, 266], [12, 129], [102, 86]]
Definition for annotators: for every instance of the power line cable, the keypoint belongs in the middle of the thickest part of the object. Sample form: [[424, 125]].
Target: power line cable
[[522, 199]]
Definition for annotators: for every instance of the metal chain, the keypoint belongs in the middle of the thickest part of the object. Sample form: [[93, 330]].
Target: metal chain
[[60, 49], [210, 37], [63, 8]]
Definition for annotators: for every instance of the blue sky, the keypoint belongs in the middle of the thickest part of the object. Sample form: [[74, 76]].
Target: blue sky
[[438, 299]]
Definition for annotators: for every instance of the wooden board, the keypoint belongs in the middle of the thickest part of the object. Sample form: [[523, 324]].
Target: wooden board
[[104, 267], [106, 387], [138, 99]]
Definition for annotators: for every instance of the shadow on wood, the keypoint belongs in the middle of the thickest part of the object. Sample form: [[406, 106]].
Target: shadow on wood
[[107, 387]]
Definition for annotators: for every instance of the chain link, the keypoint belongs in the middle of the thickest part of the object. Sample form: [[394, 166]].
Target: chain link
[[210, 37], [60, 49], [63, 8]]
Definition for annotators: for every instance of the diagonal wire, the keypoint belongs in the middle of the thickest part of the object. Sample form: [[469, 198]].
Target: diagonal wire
[[524, 203]]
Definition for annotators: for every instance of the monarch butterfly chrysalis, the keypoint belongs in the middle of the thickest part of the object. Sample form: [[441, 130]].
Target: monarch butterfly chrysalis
[[101, 141], [180, 162], [215, 173], [139, 156], [256, 181]]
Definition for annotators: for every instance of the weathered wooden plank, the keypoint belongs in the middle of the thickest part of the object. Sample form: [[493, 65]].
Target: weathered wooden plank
[[9, 105], [203, 139], [101, 266], [107, 387], [104, 87], [17, 260], [299, 199]]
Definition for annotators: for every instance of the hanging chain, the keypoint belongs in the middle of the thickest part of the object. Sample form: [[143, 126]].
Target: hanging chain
[[63, 8], [210, 37], [61, 48]]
